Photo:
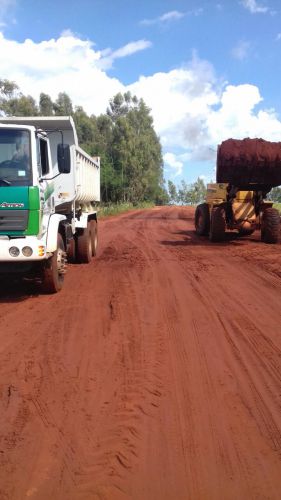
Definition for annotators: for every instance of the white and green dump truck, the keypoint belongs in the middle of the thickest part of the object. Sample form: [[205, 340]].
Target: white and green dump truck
[[49, 189]]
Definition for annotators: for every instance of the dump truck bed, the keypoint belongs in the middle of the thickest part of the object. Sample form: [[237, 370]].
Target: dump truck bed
[[249, 163]]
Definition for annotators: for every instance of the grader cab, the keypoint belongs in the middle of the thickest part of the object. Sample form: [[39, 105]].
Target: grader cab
[[246, 171]]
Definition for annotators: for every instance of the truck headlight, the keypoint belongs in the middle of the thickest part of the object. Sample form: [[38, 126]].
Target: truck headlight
[[27, 251], [14, 251]]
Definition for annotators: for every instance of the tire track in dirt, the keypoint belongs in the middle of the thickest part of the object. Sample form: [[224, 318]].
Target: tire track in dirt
[[154, 374]]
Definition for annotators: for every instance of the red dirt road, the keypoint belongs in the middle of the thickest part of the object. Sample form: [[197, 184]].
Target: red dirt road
[[154, 375]]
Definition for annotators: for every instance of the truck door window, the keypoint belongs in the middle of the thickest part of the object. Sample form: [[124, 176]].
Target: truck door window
[[44, 157]]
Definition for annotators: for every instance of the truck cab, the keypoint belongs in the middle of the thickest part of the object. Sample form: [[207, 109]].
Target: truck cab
[[48, 191]]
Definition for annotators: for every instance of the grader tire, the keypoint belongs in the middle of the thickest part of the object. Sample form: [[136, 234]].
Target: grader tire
[[270, 226], [218, 225], [202, 219], [84, 245]]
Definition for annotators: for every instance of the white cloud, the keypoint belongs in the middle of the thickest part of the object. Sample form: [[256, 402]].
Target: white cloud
[[127, 50], [278, 37], [237, 118], [180, 96], [171, 161], [193, 110], [253, 7], [173, 15], [66, 64], [241, 50]]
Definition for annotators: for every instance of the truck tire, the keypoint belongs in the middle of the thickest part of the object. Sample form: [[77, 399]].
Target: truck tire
[[94, 236], [71, 250], [84, 245], [217, 225], [202, 219], [270, 225], [54, 269]]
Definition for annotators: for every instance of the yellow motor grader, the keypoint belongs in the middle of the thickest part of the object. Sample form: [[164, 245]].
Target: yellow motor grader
[[246, 171]]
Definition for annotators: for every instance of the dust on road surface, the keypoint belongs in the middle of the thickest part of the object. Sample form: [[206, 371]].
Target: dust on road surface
[[154, 374]]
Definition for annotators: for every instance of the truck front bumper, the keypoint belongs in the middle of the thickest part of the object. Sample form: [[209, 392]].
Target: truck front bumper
[[27, 249]]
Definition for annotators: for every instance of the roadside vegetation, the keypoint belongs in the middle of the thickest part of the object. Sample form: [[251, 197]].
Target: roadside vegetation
[[278, 206], [118, 208], [275, 195], [187, 194]]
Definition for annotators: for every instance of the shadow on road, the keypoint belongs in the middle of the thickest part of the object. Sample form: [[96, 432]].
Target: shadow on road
[[17, 290], [190, 238]]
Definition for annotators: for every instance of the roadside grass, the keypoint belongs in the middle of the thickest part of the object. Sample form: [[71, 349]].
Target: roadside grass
[[118, 208], [278, 206]]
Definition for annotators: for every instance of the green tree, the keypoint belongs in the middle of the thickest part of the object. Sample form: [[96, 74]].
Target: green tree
[[7, 88], [172, 190], [20, 106], [118, 106], [135, 149], [46, 106], [161, 196], [86, 128], [14, 103], [198, 191], [63, 105], [184, 193], [275, 195]]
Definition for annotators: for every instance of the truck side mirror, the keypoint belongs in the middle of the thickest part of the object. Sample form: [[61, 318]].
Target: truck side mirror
[[63, 155]]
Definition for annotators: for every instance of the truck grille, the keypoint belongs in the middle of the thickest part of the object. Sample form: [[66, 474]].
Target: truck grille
[[13, 220]]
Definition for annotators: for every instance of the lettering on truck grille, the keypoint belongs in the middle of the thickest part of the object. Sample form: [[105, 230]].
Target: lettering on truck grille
[[6, 204]]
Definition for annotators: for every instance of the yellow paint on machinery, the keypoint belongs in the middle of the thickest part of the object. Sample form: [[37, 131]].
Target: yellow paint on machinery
[[216, 193], [243, 208]]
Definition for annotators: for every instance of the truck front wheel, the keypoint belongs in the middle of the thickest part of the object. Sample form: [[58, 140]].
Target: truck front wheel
[[54, 269], [270, 225]]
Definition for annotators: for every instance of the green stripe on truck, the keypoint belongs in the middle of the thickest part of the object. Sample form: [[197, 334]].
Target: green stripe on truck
[[34, 216]]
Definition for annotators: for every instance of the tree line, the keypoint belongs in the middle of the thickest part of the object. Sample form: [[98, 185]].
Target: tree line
[[187, 194]]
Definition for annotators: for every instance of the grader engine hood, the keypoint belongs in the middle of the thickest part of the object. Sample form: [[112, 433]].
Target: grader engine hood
[[19, 211]]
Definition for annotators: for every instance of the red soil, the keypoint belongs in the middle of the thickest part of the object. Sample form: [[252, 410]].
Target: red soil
[[154, 374], [249, 161]]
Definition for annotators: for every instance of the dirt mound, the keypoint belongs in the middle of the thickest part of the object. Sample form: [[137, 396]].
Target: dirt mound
[[249, 161]]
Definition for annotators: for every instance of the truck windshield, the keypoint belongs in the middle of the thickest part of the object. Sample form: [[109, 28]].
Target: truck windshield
[[15, 164]]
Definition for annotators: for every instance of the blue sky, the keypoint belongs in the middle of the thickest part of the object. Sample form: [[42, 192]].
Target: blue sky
[[208, 69]]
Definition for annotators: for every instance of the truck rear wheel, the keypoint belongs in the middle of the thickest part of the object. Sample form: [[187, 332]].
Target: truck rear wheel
[[94, 236], [217, 226], [84, 245], [71, 250], [54, 269], [202, 219], [270, 225]]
